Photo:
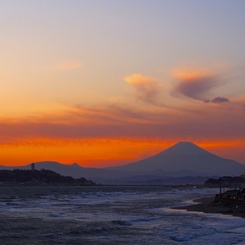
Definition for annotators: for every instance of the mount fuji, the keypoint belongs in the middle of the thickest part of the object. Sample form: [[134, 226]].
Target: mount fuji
[[186, 158]]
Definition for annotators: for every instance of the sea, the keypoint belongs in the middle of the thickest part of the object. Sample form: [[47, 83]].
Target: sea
[[71, 215]]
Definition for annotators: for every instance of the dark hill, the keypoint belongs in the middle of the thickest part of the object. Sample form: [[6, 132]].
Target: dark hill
[[36, 177]]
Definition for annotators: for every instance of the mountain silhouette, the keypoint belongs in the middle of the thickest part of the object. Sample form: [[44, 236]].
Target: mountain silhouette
[[181, 163], [186, 157]]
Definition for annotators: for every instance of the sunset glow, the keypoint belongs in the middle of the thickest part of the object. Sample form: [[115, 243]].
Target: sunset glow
[[105, 84]]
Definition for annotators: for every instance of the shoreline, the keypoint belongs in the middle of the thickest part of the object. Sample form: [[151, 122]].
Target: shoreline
[[208, 205]]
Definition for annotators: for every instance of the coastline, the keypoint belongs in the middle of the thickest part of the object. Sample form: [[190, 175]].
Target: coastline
[[209, 205]]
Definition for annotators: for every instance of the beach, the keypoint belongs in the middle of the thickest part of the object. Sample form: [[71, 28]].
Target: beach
[[209, 205]]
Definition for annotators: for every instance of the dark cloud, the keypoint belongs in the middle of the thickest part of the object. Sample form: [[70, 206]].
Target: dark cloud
[[217, 100], [196, 87]]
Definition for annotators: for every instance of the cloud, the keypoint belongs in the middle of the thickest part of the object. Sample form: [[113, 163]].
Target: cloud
[[147, 88], [198, 85], [217, 100], [80, 122], [195, 86]]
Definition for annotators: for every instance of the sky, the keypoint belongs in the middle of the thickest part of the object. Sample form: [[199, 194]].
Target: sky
[[109, 82]]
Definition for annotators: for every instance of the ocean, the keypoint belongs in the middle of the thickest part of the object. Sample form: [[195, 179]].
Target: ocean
[[111, 215]]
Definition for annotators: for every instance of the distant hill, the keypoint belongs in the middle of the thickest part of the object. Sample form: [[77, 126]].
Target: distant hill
[[99, 175], [40, 177], [183, 163]]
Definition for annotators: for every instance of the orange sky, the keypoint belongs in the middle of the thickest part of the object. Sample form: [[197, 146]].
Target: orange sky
[[103, 84], [101, 152], [114, 134], [99, 137]]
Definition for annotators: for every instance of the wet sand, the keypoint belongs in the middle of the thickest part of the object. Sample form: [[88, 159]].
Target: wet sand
[[208, 205]]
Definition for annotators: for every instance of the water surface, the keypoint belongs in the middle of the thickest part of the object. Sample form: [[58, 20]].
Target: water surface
[[111, 215]]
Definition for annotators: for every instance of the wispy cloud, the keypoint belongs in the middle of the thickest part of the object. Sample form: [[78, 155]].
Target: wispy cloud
[[113, 122], [147, 88], [68, 65]]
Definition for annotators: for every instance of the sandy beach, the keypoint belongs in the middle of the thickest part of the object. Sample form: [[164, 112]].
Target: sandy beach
[[209, 205]]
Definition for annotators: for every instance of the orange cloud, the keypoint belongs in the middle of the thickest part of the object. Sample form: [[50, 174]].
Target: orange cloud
[[139, 79], [190, 73], [148, 88]]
